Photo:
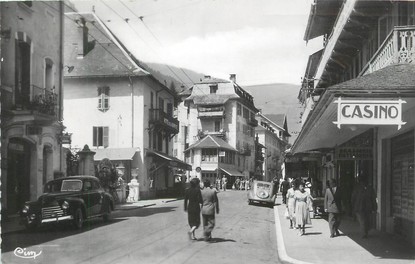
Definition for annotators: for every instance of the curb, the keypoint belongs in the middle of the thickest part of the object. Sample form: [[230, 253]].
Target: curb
[[133, 207], [282, 253]]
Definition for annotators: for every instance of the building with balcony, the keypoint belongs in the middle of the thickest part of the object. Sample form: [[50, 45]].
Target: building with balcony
[[217, 120], [31, 99], [272, 136], [358, 93], [118, 108]]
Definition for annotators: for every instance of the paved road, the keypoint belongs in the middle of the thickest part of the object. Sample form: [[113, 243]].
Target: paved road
[[157, 234]]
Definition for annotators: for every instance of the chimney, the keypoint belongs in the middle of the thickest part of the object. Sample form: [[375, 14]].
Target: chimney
[[207, 77], [232, 77]]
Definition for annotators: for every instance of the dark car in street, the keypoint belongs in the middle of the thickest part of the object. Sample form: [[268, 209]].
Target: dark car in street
[[74, 199], [262, 192]]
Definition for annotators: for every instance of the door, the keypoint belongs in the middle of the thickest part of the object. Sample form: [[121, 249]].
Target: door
[[92, 198]]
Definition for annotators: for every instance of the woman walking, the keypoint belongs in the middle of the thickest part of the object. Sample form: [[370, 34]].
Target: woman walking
[[290, 204], [192, 202], [302, 217]]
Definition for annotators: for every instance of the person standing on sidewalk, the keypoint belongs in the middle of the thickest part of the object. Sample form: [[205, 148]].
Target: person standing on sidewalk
[[210, 205], [364, 204], [192, 202], [302, 217], [285, 185], [291, 204], [332, 205], [224, 182]]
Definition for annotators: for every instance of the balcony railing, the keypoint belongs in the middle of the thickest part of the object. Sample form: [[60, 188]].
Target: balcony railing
[[160, 118], [38, 99], [253, 122], [206, 112], [398, 47]]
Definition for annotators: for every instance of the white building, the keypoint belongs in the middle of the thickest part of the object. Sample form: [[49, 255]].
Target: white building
[[118, 108], [217, 130]]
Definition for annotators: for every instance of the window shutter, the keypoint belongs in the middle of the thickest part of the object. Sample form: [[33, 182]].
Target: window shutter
[[105, 137], [94, 136], [99, 103]]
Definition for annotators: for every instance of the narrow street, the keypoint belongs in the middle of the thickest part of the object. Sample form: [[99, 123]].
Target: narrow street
[[157, 234]]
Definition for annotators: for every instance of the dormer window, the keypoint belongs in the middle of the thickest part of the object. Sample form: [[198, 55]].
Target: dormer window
[[213, 88], [103, 98]]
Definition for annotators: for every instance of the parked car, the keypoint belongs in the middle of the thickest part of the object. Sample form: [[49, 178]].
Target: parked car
[[75, 198], [262, 192]]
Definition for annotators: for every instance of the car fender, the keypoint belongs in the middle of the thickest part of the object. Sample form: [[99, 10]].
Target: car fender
[[74, 203]]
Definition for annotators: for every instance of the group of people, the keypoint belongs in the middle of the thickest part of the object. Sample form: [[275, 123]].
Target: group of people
[[242, 184], [299, 204], [221, 183], [203, 201]]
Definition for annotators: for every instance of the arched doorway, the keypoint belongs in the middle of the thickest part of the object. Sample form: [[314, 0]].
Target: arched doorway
[[18, 174]]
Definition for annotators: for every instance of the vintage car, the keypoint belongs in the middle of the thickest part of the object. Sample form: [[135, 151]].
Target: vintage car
[[75, 199], [262, 192]]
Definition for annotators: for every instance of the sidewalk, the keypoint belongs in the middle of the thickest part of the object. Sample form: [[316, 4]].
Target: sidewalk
[[12, 224], [317, 246]]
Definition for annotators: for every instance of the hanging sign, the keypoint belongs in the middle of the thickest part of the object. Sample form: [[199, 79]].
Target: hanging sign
[[369, 112]]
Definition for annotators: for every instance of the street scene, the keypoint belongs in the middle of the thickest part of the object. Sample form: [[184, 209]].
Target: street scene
[[184, 131]]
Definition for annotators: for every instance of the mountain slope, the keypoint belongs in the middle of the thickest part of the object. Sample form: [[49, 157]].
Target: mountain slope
[[279, 98]]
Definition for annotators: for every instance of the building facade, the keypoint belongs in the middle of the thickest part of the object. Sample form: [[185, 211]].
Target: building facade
[[272, 134], [118, 108], [217, 132], [358, 94], [31, 94]]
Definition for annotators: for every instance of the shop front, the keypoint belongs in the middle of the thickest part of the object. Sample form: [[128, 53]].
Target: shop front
[[365, 127]]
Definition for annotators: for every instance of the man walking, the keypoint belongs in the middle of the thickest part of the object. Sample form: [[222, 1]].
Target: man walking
[[285, 185], [210, 205], [364, 204], [332, 205]]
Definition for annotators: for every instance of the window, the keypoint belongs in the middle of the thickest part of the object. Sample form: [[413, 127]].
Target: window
[[100, 137], [213, 89], [217, 126], [169, 109], [151, 100], [246, 113], [48, 74], [160, 141], [22, 72], [161, 104], [103, 98], [238, 109], [209, 155]]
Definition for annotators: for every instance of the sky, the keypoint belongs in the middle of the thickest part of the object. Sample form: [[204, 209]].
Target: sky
[[261, 41]]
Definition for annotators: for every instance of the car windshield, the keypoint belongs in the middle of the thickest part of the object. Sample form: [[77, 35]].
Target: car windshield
[[54, 186], [263, 185], [71, 185]]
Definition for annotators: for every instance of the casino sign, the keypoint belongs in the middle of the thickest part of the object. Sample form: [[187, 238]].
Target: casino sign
[[369, 112]]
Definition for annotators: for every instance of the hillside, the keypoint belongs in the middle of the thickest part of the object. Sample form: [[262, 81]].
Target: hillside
[[279, 98]]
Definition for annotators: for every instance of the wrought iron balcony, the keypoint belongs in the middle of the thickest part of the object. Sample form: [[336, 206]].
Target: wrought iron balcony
[[398, 47], [162, 120], [37, 100], [252, 122], [221, 133]]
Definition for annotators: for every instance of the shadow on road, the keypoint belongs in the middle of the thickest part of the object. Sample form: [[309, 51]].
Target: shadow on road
[[143, 212]]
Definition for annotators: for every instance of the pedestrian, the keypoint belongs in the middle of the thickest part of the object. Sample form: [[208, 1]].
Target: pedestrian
[[242, 184], [364, 204], [332, 205], [224, 182], [237, 182], [290, 205], [210, 205], [192, 202], [276, 183], [307, 189], [302, 216], [285, 185]]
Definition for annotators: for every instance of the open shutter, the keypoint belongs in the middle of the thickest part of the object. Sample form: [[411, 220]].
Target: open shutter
[[94, 136], [105, 137]]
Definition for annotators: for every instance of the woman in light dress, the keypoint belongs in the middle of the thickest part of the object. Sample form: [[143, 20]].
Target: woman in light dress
[[301, 201], [290, 204]]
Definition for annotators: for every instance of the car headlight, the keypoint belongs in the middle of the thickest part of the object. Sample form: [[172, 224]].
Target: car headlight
[[65, 205], [25, 209]]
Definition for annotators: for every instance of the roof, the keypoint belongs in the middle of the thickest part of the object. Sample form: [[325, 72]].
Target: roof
[[212, 99], [278, 119], [391, 78], [107, 57], [232, 172], [172, 161], [211, 142], [115, 153]]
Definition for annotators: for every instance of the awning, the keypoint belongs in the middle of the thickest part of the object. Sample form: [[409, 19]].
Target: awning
[[211, 142], [319, 131], [232, 172], [171, 161], [115, 153]]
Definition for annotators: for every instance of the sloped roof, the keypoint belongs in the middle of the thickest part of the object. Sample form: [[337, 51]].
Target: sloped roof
[[278, 119], [391, 78], [107, 58], [211, 142]]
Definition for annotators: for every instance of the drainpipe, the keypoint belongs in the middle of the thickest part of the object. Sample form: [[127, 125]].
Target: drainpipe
[[132, 111]]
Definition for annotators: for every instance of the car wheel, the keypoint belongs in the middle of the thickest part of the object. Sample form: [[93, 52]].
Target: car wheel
[[78, 220], [107, 215], [30, 226]]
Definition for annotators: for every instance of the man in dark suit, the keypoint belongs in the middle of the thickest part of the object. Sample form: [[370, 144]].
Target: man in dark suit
[[285, 185], [332, 205], [210, 205]]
